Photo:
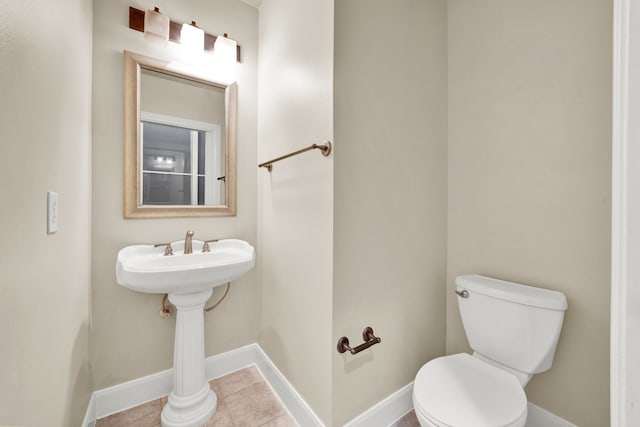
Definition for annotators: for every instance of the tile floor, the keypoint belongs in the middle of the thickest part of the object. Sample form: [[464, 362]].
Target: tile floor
[[244, 400], [408, 420]]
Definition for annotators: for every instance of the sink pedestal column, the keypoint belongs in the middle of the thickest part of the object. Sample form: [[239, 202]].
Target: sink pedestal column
[[191, 402]]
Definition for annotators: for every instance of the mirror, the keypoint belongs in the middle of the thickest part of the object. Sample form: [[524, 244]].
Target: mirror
[[179, 141]]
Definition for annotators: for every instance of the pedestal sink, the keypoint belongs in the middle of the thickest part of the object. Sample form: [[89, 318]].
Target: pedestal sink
[[189, 280]]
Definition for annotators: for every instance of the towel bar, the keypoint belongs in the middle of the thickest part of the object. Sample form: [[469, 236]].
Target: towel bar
[[324, 148]]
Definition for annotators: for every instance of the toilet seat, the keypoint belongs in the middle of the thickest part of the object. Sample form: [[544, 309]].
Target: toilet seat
[[461, 391]]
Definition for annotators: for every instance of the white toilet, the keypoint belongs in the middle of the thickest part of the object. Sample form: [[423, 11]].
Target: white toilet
[[513, 330]]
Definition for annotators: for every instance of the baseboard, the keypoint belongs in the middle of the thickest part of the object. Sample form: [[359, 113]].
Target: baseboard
[[387, 411], [133, 393], [538, 417], [123, 396], [90, 415], [398, 404], [295, 404]]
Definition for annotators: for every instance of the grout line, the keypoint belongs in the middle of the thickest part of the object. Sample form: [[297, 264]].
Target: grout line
[[242, 389], [263, 381], [275, 418], [275, 394], [133, 393]]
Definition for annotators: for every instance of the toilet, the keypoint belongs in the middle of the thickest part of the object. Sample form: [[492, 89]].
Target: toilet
[[513, 330]]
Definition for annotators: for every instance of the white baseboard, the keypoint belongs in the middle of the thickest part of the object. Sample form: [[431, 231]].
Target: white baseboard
[[123, 396], [398, 404], [387, 411], [133, 393], [90, 415], [538, 417], [295, 404]]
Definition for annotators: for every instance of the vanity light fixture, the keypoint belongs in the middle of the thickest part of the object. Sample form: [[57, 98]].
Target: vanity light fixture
[[167, 159], [192, 37], [156, 26], [225, 48], [224, 51], [137, 21]]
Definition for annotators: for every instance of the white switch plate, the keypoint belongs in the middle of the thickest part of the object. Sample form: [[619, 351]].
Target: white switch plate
[[52, 212]]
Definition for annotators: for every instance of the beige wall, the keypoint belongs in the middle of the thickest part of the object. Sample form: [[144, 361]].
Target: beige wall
[[528, 193], [129, 339], [45, 135], [295, 207], [390, 194], [529, 175]]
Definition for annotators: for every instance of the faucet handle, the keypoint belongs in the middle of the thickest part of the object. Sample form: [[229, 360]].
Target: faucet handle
[[168, 250], [205, 247]]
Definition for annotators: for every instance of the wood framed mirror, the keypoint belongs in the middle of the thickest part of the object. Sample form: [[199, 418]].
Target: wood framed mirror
[[179, 141]]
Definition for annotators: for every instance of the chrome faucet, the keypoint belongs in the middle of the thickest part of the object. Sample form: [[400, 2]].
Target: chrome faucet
[[187, 242]]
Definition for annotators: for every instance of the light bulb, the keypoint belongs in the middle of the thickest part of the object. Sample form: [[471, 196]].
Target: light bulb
[[192, 37], [156, 26], [225, 54]]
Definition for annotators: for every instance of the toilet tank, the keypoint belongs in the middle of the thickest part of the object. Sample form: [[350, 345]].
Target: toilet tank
[[515, 325]]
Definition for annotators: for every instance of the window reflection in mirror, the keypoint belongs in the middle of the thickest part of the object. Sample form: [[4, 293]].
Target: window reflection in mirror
[[179, 142], [181, 162]]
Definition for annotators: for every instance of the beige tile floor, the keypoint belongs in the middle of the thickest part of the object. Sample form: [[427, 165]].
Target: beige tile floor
[[408, 420], [244, 400]]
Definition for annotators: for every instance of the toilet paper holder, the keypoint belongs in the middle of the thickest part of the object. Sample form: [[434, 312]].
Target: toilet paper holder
[[369, 340]]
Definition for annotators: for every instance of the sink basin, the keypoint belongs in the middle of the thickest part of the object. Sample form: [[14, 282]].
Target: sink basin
[[189, 280], [144, 268]]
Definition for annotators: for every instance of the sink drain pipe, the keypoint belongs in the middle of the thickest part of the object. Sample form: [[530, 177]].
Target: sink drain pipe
[[208, 309]]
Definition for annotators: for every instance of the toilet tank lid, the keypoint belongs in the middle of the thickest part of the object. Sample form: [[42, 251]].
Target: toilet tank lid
[[514, 292]]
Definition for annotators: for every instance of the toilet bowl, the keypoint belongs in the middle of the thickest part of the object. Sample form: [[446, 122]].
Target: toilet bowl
[[461, 390], [513, 330]]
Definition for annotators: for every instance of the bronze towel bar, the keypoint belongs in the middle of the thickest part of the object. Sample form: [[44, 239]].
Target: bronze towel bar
[[324, 148], [369, 340]]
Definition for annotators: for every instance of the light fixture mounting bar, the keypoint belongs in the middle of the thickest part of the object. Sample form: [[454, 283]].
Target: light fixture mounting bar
[[136, 22]]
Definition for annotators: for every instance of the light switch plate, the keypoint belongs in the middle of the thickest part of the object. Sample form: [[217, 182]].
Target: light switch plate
[[52, 212]]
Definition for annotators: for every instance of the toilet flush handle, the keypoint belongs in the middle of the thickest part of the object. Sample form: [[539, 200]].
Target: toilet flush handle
[[464, 293]]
